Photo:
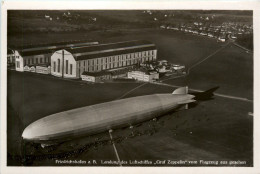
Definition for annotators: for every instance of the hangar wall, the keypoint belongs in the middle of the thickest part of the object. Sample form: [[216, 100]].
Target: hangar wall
[[63, 64]]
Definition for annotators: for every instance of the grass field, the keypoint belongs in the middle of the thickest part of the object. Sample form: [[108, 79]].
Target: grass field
[[221, 128], [231, 69], [33, 96]]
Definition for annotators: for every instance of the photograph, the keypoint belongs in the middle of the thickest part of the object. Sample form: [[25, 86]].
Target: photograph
[[129, 88]]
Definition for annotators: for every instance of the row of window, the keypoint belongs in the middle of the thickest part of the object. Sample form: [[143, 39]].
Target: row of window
[[100, 67], [36, 60], [59, 67], [123, 57]]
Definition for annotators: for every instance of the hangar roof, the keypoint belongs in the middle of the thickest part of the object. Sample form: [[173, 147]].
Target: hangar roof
[[90, 50], [104, 50], [47, 45], [51, 47]]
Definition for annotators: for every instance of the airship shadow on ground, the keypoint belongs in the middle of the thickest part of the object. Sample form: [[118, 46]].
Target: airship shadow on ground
[[33, 149]]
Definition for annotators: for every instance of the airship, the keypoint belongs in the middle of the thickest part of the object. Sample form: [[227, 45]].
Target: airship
[[103, 117]]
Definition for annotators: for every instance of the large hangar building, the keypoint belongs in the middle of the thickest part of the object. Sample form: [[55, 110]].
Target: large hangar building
[[33, 55], [72, 62]]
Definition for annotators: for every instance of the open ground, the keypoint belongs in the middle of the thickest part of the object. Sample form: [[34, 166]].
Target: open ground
[[218, 129]]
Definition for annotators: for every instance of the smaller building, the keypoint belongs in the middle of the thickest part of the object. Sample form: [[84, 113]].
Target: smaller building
[[26, 68], [143, 75], [32, 69], [203, 34], [210, 35], [221, 39], [43, 69], [163, 68], [96, 76], [178, 67], [118, 74], [10, 57]]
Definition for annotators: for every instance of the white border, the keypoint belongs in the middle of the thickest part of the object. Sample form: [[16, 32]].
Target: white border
[[171, 5]]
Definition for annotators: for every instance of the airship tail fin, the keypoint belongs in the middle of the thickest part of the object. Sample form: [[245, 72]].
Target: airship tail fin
[[181, 90]]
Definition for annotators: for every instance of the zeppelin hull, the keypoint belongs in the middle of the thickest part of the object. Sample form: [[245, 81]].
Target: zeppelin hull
[[101, 117]]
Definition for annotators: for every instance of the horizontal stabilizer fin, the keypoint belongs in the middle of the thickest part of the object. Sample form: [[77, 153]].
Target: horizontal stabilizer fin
[[181, 90], [186, 101]]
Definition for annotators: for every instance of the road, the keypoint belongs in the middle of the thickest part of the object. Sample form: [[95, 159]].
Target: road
[[198, 63], [114, 146], [236, 44], [188, 72], [128, 92]]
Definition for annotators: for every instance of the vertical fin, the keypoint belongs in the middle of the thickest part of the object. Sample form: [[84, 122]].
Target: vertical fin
[[181, 90]]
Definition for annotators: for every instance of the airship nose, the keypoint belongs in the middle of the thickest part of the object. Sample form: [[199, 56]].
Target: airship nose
[[27, 134]]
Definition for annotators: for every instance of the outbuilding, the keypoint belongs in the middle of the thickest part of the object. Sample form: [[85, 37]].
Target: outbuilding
[[143, 75], [43, 69], [96, 76], [10, 56]]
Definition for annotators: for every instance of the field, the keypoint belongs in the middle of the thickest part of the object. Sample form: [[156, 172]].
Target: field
[[218, 129], [202, 132], [230, 69], [54, 96]]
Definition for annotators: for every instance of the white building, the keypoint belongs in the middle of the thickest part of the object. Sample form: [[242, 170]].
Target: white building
[[63, 64], [43, 69], [72, 62], [26, 68], [96, 76], [10, 56], [221, 39], [32, 69], [19, 61], [178, 67], [146, 76], [41, 54]]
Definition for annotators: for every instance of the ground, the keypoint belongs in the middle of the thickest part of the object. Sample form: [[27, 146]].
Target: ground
[[217, 129]]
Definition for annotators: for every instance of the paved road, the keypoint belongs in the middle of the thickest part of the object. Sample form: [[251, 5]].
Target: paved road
[[114, 146], [128, 92], [236, 44]]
